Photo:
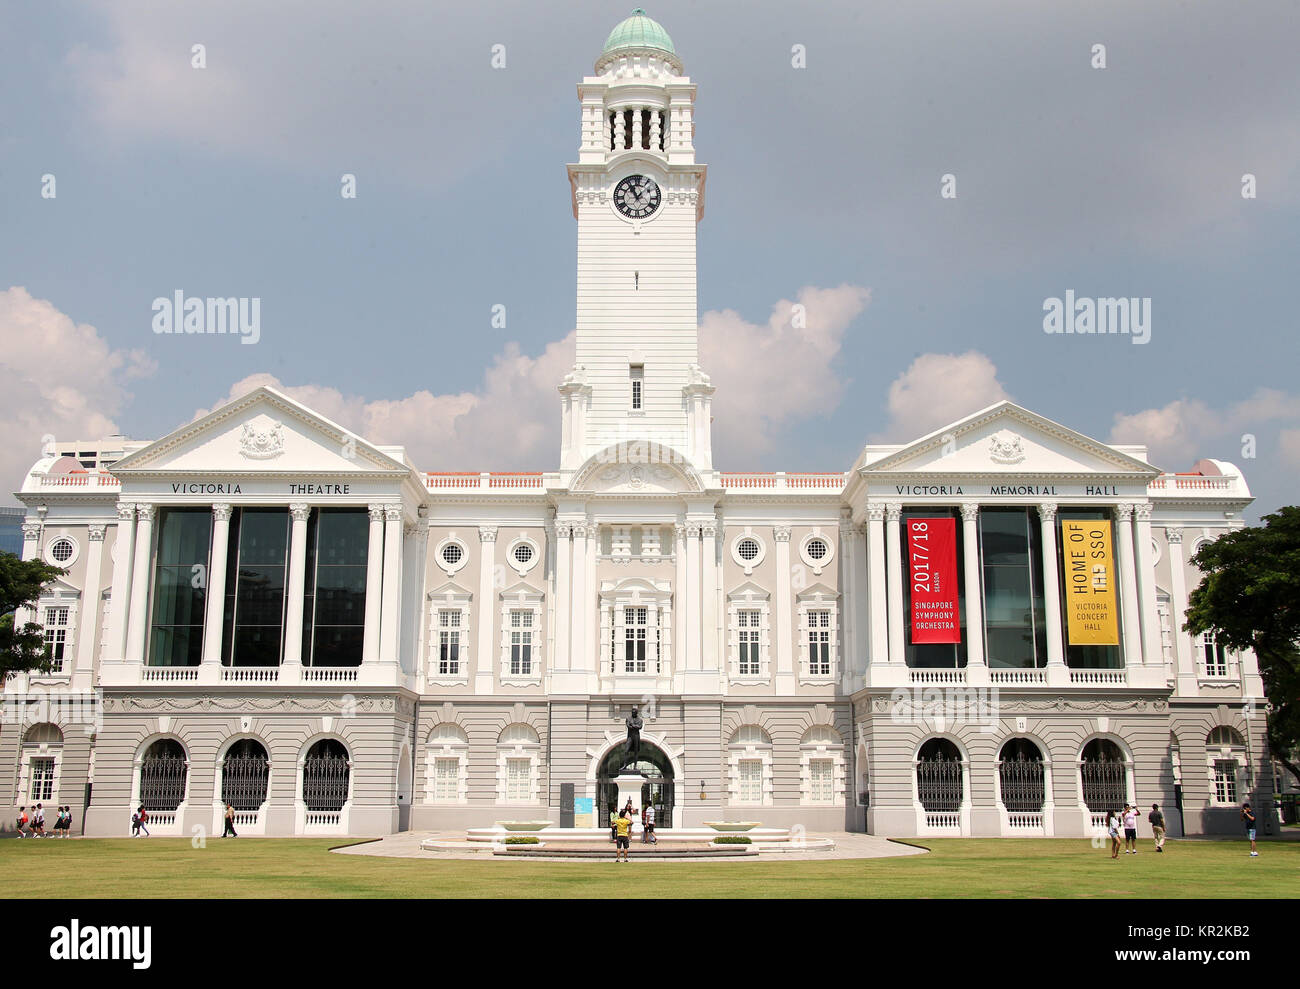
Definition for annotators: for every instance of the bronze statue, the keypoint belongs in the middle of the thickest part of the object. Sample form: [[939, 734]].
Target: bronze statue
[[634, 725]]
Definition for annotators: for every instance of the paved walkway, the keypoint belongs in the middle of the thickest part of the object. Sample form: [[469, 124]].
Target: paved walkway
[[847, 846]]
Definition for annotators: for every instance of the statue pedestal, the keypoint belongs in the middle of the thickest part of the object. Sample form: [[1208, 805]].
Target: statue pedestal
[[629, 786]]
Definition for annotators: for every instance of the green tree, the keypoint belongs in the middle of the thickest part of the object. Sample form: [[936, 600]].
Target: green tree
[[1249, 597], [21, 582]]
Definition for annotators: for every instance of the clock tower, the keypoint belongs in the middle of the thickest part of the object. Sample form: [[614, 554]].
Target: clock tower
[[638, 195]]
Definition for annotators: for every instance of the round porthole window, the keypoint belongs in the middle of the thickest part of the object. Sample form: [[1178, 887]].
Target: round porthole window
[[816, 551], [748, 550], [61, 552], [452, 554], [523, 553]]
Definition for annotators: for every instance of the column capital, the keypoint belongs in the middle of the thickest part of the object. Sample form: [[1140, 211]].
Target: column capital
[[487, 533], [970, 512], [392, 513], [781, 533], [1174, 534], [876, 512], [221, 512], [709, 529], [563, 530], [893, 511], [692, 530], [376, 512], [1047, 510], [126, 511], [1142, 512], [31, 530], [145, 513], [1124, 511], [847, 529], [96, 532], [300, 510]]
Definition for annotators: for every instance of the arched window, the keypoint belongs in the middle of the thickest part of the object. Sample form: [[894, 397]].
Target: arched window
[[42, 755], [1021, 781], [750, 758], [326, 774], [164, 771], [518, 754], [939, 784], [1226, 754], [1104, 775], [245, 773], [447, 761], [821, 759]]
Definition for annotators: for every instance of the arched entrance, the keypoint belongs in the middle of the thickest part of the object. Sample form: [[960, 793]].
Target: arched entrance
[[658, 788]]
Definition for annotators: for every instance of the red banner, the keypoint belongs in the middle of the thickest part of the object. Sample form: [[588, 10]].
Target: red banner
[[932, 577]]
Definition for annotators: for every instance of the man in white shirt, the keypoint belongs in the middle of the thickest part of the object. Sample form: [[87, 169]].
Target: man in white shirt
[[1130, 830], [648, 825]]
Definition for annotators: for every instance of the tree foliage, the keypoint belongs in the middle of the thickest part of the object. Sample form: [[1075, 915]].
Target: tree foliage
[[21, 584], [1249, 597]]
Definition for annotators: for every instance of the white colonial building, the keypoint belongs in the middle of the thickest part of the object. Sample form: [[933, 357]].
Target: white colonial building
[[266, 609]]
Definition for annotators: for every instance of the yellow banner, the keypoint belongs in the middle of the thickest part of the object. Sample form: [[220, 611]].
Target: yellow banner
[[1089, 582]]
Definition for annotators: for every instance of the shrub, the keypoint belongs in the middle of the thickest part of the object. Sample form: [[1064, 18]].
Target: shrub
[[732, 839], [523, 840]]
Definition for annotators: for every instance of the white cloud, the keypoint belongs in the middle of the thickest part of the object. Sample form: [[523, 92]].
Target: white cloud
[[938, 389], [61, 378], [772, 374]]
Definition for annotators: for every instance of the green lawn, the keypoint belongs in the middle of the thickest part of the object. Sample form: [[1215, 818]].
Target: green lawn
[[957, 867]]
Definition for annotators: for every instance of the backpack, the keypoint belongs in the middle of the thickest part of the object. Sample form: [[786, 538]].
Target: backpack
[[135, 818]]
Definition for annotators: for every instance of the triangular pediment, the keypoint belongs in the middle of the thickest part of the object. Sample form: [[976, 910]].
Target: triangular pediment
[[263, 432], [749, 591], [1006, 439], [521, 592], [450, 592], [818, 592]]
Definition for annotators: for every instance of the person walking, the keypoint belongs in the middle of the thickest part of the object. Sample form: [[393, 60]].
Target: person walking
[[144, 818], [1112, 828], [1157, 821], [22, 822], [1248, 818], [67, 821], [135, 824], [648, 825], [1130, 830], [623, 830], [38, 821], [230, 822], [58, 822]]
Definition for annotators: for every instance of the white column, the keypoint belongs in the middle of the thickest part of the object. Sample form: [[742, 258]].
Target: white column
[[296, 586], [1052, 593], [1128, 583], [876, 583], [1184, 661], [562, 660], [577, 604], [374, 587], [588, 606], [680, 598], [860, 604], [485, 677], [214, 611], [88, 620], [1152, 654], [709, 594], [637, 131], [783, 613], [120, 598], [693, 618], [894, 579], [848, 596], [390, 607], [138, 624], [974, 595]]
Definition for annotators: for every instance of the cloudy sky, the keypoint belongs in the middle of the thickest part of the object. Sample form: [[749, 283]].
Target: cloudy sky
[[824, 188]]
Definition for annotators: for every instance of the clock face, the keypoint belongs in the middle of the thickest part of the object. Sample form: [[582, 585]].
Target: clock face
[[637, 197]]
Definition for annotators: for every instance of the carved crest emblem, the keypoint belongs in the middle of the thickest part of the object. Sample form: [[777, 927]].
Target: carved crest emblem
[[261, 444], [1006, 451]]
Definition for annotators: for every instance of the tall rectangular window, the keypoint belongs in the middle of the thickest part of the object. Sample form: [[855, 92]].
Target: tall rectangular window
[[1225, 781], [42, 781], [521, 642], [636, 372], [446, 780], [449, 629], [1216, 660], [634, 639], [56, 636], [519, 780], [750, 773], [819, 643], [821, 780], [255, 587], [180, 586], [1015, 615], [338, 548], [749, 622]]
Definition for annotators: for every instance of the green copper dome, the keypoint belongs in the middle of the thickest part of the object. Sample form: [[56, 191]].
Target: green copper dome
[[638, 31]]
